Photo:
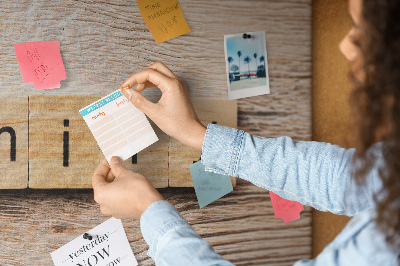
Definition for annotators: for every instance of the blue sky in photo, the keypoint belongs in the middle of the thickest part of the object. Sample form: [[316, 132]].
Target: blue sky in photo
[[248, 47]]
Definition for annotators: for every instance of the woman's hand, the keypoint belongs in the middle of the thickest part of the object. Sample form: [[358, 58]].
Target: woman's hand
[[174, 113], [121, 192]]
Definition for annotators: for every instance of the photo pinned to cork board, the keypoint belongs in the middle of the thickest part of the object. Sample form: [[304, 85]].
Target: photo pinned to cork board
[[246, 64]]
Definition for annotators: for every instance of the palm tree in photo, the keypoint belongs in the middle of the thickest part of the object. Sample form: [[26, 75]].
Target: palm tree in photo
[[255, 60], [239, 55], [262, 60], [234, 68], [230, 60], [247, 60], [261, 69]]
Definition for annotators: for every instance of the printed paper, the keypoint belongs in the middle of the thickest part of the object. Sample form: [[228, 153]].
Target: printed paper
[[164, 18], [118, 126], [108, 246], [209, 186], [284, 209], [41, 64], [246, 64]]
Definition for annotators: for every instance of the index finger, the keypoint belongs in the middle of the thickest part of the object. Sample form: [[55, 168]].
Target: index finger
[[100, 174], [160, 67], [157, 78]]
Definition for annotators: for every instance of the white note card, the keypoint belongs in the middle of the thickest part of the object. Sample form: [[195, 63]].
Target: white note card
[[109, 247], [118, 126]]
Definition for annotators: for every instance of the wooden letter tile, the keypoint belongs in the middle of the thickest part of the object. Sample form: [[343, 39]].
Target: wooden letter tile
[[62, 151], [152, 162], [13, 142], [221, 112]]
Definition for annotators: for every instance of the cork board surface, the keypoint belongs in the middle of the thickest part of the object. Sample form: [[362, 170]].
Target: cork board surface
[[103, 43], [331, 89]]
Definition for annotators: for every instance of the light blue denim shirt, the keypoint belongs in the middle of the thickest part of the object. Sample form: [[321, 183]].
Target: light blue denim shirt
[[312, 173]]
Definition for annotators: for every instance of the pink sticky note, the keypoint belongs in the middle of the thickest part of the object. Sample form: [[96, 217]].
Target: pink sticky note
[[284, 209], [41, 64]]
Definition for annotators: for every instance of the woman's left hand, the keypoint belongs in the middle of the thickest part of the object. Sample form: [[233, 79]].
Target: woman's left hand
[[120, 192]]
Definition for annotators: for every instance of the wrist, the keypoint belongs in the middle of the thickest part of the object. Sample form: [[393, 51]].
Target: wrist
[[197, 137], [148, 203]]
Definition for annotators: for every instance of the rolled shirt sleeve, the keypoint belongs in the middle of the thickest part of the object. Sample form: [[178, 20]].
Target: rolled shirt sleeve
[[316, 174], [172, 241]]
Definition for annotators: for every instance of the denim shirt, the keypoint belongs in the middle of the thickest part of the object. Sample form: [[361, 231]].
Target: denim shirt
[[312, 173]]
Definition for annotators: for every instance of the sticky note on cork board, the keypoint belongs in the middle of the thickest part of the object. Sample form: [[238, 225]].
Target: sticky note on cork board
[[209, 186], [118, 126], [164, 18], [41, 63], [284, 209]]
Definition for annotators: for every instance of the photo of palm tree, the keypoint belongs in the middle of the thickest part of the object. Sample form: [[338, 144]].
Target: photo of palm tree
[[243, 71]]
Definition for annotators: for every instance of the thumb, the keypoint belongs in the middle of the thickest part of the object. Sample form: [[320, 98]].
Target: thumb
[[139, 101], [116, 167]]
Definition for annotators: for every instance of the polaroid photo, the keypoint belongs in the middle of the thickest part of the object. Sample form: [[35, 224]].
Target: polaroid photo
[[246, 64]]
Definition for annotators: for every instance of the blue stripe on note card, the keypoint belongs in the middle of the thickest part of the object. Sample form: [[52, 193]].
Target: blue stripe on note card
[[100, 103]]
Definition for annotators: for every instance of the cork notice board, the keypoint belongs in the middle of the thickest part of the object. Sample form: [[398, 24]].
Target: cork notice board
[[102, 44]]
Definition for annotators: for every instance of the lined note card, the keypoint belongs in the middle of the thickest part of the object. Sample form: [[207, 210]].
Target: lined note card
[[118, 126], [164, 18], [41, 63]]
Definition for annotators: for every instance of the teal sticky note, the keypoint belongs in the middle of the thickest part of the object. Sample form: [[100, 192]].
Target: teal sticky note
[[209, 186]]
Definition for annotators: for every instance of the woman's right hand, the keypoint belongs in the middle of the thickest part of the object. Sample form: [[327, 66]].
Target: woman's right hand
[[173, 113]]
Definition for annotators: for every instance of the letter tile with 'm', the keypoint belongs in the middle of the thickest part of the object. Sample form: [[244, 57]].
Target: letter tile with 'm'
[[62, 151], [13, 142]]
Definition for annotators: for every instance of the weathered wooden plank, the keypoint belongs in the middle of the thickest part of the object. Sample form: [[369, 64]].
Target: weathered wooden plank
[[13, 142], [107, 41], [240, 226]]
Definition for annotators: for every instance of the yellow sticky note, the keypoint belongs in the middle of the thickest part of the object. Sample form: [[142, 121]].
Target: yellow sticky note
[[164, 18]]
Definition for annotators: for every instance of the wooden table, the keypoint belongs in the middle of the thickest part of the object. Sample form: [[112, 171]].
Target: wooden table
[[102, 43]]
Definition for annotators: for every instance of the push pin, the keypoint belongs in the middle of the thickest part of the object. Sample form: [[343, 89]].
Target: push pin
[[246, 36], [127, 87], [87, 236]]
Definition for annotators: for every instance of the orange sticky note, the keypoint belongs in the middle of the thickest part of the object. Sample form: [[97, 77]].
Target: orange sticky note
[[41, 63], [164, 18]]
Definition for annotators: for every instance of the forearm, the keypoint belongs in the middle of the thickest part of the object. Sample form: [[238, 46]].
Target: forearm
[[312, 173], [172, 241]]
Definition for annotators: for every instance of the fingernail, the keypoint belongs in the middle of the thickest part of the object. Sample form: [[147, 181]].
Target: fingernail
[[115, 160], [127, 93]]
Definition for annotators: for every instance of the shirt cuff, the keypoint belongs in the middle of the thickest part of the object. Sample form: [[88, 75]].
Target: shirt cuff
[[158, 219], [221, 151]]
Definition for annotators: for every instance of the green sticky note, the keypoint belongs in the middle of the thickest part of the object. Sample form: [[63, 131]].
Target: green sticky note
[[209, 186]]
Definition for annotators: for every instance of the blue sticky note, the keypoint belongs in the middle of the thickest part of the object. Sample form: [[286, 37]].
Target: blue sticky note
[[209, 186]]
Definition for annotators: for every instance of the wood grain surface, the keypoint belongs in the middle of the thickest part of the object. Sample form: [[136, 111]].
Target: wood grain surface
[[241, 226], [103, 43], [14, 142], [57, 160]]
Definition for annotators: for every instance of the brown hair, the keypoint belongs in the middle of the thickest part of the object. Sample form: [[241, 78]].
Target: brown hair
[[375, 101]]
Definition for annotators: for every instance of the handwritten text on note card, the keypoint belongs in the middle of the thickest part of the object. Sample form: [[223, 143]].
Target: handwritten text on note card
[[164, 18], [108, 246], [41, 64]]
